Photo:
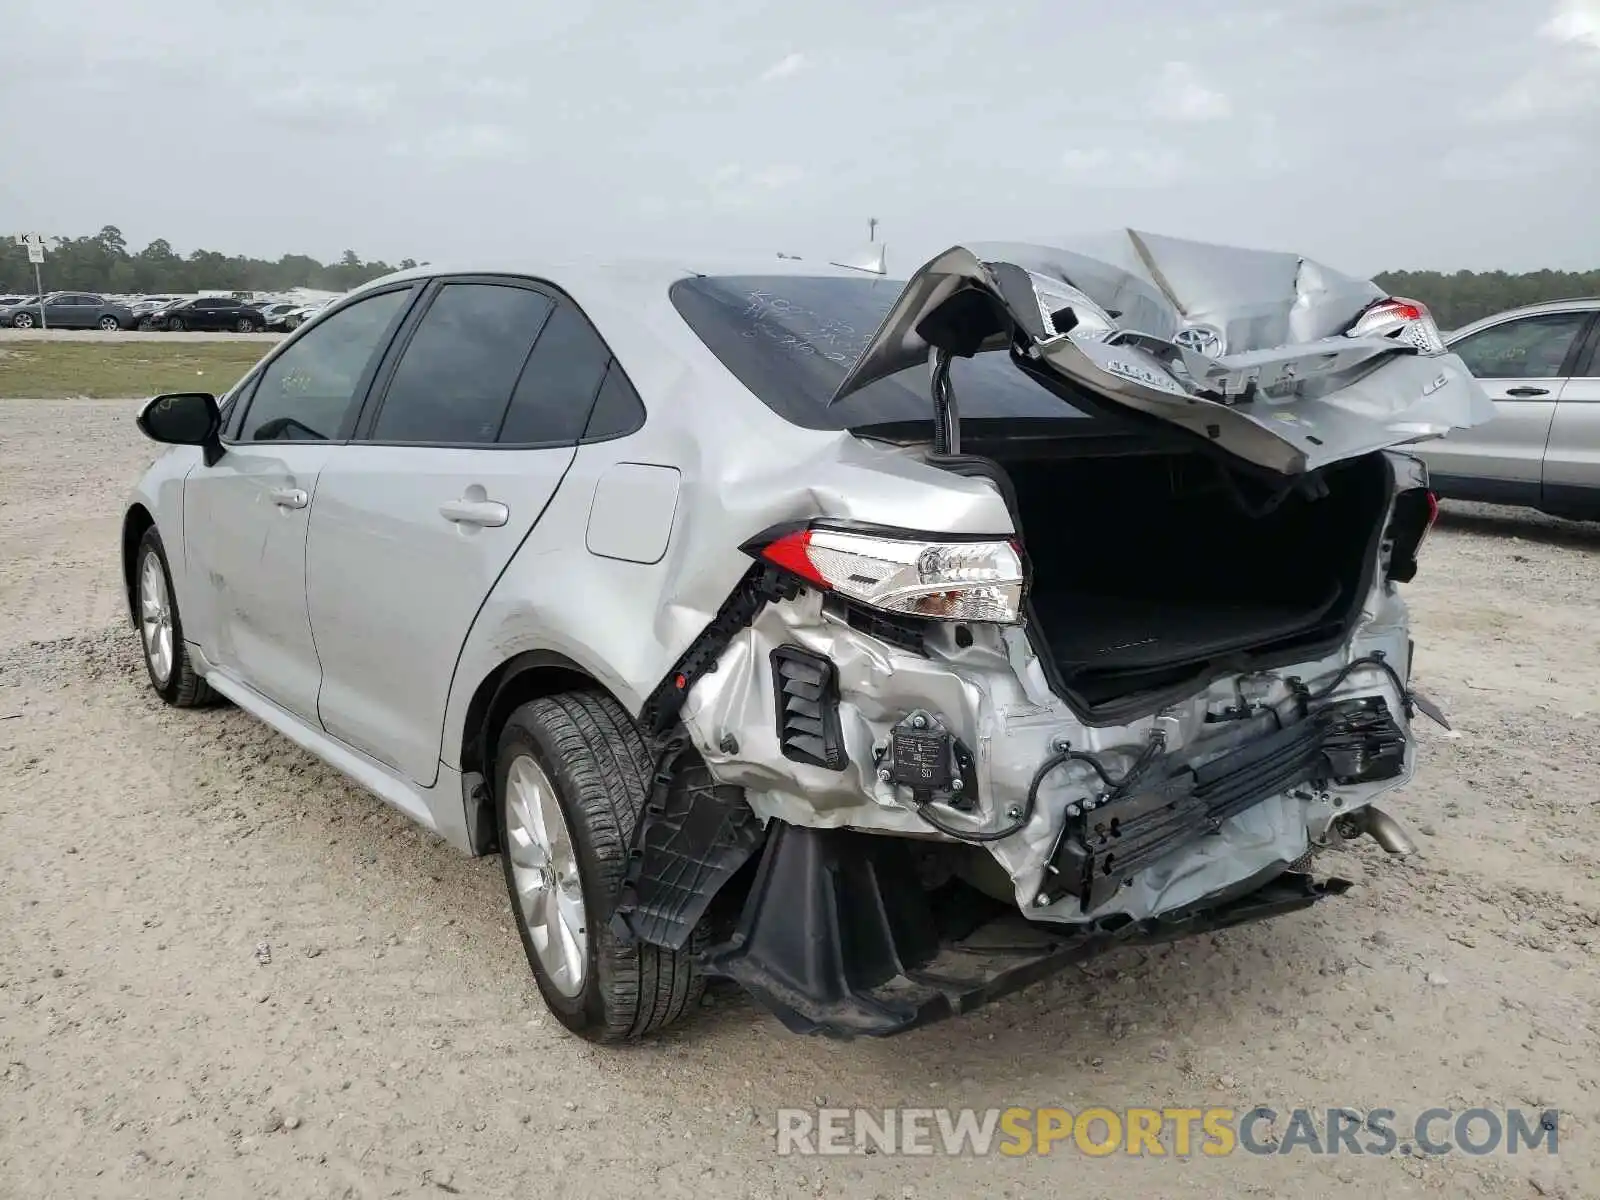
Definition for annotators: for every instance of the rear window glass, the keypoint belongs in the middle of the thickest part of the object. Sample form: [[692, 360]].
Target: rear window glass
[[790, 339]]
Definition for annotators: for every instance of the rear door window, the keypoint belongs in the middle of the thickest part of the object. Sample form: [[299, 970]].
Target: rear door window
[[557, 391], [1533, 347], [457, 374]]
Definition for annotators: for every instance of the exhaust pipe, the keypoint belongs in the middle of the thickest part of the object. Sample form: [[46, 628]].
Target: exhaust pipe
[[1383, 829]]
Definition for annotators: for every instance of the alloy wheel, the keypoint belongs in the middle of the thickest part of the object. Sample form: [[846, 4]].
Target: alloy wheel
[[544, 871], [155, 618]]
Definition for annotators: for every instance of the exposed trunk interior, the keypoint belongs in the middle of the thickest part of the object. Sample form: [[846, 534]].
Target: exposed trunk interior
[[1151, 570]]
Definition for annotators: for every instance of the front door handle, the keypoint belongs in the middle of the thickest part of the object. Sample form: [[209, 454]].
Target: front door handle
[[289, 497], [1524, 392], [489, 513]]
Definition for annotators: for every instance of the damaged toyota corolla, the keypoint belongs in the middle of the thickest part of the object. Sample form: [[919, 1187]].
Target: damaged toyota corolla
[[880, 647]]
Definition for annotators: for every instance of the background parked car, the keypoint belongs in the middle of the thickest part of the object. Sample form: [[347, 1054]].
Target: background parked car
[[299, 316], [69, 310], [275, 313], [145, 305], [209, 313], [10, 301], [1541, 367]]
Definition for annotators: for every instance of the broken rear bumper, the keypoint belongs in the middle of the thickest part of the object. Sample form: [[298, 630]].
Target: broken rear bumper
[[837, 937]]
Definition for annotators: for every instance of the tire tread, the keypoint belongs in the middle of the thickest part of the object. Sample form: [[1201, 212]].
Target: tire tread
[[600, 753], [186, 688]]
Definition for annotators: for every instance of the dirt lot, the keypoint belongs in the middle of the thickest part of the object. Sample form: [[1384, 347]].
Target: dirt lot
[[394, 1045]]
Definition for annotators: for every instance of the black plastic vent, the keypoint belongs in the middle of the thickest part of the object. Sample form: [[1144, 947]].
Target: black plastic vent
[[806, 697], [894, 629]]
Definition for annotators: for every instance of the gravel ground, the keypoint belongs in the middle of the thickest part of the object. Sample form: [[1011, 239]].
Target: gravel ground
[[391, 1042]]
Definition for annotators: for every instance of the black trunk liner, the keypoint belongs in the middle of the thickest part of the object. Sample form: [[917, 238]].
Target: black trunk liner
[[1134, 633]]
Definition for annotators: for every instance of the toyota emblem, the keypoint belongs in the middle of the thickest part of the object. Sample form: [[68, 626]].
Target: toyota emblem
[[1202, 339]]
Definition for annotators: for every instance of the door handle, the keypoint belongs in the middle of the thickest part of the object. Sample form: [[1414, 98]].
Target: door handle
[[289, 497], [489, 513], [1522, 392]]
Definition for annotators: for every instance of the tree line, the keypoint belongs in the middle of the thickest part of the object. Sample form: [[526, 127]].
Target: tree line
[[1461, 297], [104, 263]]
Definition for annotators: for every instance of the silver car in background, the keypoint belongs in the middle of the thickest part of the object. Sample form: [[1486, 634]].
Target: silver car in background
[[880, 647], [1541, 367]]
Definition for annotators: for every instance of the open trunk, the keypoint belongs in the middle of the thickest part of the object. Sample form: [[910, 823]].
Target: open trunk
[[1150, 571]]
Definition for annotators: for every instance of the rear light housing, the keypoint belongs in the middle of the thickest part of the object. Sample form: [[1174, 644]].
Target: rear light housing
[[896, 571], [1415, 511], [1406, 321]]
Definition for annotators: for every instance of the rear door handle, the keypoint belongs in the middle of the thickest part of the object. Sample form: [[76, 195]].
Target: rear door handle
[[289, 497], [489, 513], [1521, 392]]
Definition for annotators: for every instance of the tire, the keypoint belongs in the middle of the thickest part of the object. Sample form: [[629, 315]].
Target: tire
[[172, 675], [22, 321], [175, 325], [110, 324], [246, 325], [587, 752]]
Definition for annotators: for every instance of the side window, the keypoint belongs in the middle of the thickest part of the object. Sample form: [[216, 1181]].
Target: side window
[[1588, 364], [236, 400], [1527, 348], [309, 389], [558, 388], [618, 411], [458, 371]]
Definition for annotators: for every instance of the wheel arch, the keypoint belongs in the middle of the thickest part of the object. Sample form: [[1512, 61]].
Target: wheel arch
[[527, 676], [135, 522]]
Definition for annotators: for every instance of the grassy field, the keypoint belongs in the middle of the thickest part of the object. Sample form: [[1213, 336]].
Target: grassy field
[[64, 370]]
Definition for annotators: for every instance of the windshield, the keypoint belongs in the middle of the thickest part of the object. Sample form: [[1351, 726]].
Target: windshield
[[790, 339]]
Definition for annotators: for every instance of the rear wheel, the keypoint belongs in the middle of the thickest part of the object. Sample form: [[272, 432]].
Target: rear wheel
[[572, 774], [110, 324], [246, 325], [161, 629]]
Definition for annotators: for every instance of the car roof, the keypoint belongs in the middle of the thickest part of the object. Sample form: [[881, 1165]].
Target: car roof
[[630, 303], [625, 274]]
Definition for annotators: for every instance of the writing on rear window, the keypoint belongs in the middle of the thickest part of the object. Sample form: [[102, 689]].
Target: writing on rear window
[[802, 331]]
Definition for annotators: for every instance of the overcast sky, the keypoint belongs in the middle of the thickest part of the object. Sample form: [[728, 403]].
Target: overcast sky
[[1367, 133]]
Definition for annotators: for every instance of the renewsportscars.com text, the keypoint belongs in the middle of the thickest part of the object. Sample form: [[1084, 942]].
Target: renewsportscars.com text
[[1157, 1132]]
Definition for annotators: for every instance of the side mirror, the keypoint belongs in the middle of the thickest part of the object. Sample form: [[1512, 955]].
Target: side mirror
[[184, 419]]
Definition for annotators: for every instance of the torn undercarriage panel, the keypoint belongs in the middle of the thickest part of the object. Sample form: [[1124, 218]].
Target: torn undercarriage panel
[[838, 938]]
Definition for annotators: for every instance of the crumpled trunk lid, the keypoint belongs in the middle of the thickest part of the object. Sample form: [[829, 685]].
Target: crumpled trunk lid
[[1246, 349]]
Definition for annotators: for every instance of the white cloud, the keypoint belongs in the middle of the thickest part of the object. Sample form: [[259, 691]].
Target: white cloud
[[789, 64], [463, 142], [1181, 95], [1574, 21], [1124, 165], [488, 87], [735, 186], [1555, 88], [331, 97], [1567, 79]]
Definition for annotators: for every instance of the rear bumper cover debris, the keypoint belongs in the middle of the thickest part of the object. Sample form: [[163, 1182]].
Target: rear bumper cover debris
[[837, 939]]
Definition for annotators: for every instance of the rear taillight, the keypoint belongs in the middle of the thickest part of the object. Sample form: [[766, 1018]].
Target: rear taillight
[[1406, 321], [946, 580], [1415, 511]]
